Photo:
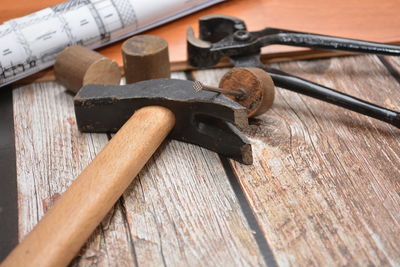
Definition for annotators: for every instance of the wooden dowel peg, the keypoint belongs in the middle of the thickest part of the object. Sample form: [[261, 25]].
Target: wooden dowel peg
[[257, 85], [145, 57], [252, 88], [77, 66]]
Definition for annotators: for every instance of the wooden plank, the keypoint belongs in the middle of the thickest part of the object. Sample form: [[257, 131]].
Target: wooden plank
[[395, 61], [51, 152], [324, 185], [393, 66], [180, 210]]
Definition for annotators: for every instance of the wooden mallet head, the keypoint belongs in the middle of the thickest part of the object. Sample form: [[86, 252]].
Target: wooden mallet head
[[77, 66], [145, 57], [257, 87]]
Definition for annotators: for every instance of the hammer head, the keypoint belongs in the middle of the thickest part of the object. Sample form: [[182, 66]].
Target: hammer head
[[203, 118]]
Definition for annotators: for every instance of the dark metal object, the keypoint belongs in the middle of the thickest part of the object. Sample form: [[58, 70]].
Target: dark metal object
[[203, 118], [227, 36], [198, 86], [8, 186]]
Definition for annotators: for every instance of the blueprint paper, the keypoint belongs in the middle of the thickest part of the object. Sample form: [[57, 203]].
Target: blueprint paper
[[31, 43]]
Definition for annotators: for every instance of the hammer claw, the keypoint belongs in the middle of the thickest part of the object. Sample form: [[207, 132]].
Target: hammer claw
[[220, 135]]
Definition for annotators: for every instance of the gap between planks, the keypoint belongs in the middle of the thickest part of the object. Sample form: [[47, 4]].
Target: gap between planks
[[8, 188], [181, 210], [325, 181], [247, 210]]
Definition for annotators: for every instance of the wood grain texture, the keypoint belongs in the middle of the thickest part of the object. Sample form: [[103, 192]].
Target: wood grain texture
[[51, 152], [395, 61], [58, 236], [393, 66], [325, 184], [181, 210]]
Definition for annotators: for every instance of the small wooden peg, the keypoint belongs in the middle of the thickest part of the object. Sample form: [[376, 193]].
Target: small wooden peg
[[77, 66], [257, 86], [145, 57]]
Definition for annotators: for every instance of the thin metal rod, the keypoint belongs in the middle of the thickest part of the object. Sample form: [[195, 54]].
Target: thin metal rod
[[326, 94], [301, 86], [198, 86], [270, 36]]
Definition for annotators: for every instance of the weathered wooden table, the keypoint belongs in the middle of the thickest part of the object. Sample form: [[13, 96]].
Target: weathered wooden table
[[324, 188]]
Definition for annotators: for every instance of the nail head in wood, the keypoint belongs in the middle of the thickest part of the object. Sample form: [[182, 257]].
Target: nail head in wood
[[198, 86], [145, 57], [258, 87], [77, 66]]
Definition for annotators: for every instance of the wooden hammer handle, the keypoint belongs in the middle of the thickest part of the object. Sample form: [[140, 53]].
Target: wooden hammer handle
[[63, 230]]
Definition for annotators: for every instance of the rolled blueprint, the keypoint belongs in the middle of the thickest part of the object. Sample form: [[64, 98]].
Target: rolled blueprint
[[31, 43]]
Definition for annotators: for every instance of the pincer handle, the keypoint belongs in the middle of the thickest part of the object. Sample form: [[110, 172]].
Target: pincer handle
[[270, 36], [63, 230]]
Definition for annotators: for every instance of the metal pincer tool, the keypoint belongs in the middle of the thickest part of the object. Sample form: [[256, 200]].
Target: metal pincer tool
[[228, 36]]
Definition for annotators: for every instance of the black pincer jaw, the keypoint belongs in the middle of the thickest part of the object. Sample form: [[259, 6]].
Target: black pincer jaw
[[213, 28], [203, 118], [199, 51]]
